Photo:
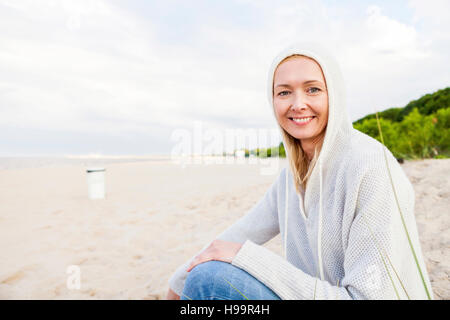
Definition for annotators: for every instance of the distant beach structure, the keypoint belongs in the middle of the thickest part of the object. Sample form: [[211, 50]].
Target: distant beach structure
[[96, 183]]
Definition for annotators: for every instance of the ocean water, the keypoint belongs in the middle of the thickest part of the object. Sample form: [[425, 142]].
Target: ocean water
[[8, 163]]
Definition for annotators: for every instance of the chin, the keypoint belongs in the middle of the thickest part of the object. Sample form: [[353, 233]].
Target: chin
[[301, 134]]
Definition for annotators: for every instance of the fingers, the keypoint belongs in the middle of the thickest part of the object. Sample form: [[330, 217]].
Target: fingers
[[218, 250], [208, 254]]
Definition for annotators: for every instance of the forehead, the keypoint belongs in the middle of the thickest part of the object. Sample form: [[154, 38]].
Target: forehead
[[298, 68]]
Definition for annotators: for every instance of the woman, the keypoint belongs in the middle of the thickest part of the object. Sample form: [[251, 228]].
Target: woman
[[339, 215]]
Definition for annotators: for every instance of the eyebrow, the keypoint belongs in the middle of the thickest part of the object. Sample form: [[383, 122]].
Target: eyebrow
[[304, 83]]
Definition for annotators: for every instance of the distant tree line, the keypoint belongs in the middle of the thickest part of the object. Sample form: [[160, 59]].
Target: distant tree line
[[419, 130]]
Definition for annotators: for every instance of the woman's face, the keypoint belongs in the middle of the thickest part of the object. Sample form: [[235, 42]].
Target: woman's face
[[300, 99]]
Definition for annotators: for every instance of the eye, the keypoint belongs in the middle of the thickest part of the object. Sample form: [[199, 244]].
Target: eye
[[283, 93], [315, 89]]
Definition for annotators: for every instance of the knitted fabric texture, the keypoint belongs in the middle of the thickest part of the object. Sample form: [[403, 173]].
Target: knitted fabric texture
[[345, 238]]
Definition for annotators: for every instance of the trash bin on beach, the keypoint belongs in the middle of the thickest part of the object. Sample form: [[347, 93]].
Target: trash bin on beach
[[96, 183]]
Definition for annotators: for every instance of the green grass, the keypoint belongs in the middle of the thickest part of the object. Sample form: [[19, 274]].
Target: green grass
[[401, 214], [236, 289], [186, 296]]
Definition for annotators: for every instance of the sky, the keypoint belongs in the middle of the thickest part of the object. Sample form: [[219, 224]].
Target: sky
[[97, 77]]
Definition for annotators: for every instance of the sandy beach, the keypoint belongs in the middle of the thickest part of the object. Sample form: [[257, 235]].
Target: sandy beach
[[156, 215]]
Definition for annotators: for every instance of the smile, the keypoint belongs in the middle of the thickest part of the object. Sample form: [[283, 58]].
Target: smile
[[302, 121]]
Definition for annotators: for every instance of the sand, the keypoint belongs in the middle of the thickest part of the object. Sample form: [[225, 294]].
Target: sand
[[156, 215]]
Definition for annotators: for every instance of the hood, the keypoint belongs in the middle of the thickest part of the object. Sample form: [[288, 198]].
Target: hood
[[338, 130], [339, 125]]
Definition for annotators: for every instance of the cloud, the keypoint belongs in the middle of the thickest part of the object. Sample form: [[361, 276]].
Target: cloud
[[390, 36], [386, 62], [138, 68]]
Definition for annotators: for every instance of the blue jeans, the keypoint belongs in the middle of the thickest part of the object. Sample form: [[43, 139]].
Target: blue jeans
[[217, 280]]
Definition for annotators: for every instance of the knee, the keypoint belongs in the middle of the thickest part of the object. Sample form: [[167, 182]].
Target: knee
[[204, 278], [205, 272]]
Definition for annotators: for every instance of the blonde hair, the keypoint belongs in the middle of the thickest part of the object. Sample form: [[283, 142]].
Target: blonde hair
[[300, 165]]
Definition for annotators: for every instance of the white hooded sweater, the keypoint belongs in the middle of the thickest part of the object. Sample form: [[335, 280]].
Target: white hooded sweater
[[345, 238]]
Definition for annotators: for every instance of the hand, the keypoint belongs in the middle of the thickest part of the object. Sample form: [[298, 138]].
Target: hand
[[218, 250], [171, 295]]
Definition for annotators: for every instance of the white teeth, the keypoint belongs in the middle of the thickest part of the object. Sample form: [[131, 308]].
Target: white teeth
[[302, 120]]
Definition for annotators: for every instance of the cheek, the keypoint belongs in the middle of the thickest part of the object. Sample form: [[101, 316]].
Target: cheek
[[322, 107], [279, 108], [324, 115]]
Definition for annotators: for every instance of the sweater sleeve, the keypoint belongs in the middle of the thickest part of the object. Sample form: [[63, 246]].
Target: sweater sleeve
[[369, 258], [259, 225]]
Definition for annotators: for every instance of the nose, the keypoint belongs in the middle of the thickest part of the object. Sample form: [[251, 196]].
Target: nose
[[297, 107], [298, 104]]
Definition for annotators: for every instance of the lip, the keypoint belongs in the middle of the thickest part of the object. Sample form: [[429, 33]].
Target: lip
[[300, 124]]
